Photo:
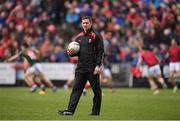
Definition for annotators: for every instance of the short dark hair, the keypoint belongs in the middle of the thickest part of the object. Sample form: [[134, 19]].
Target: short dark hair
[[87, 17]]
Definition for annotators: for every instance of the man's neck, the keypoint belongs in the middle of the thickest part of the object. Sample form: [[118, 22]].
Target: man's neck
[[87, 31]]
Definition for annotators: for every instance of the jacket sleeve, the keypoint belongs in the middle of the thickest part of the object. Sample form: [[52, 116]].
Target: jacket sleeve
[[99, 50]]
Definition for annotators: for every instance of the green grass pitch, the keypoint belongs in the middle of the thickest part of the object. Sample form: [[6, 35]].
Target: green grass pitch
[[123, 104]]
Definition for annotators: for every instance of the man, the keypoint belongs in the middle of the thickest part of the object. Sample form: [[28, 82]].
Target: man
[[33, 70], [106, 75], [106, 78], [88, 67], [154, 70], [70, 80], [174, 65]]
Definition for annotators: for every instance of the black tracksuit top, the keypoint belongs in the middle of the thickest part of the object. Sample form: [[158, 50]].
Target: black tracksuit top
[[91, 51]]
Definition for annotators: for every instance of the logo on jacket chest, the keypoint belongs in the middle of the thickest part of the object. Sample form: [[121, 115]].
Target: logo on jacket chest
[[89, 40]]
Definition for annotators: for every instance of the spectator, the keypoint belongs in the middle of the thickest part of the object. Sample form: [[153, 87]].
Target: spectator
[[41, 20]]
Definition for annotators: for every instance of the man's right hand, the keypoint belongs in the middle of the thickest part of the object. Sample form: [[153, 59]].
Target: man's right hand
[[71, 52]]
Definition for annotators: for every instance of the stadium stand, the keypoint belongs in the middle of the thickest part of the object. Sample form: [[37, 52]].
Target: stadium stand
[[50, 26]]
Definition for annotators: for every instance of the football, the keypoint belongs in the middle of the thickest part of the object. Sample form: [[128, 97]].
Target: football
[[73, 48]]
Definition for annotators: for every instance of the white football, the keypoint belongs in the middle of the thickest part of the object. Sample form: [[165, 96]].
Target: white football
[[73, 48]]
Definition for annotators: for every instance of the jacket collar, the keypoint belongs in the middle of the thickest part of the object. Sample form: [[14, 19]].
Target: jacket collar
[[88, 31]]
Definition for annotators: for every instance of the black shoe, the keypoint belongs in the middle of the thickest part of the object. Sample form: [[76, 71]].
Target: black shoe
[[65, 112]]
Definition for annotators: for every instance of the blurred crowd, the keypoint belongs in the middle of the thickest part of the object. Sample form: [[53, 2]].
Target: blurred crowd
[[50, 25]]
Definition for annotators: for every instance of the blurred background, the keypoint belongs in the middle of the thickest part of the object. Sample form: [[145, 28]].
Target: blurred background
[[49, 25]]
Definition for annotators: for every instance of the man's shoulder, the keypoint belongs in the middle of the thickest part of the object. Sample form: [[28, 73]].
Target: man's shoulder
[[97, 35], [80, 34]]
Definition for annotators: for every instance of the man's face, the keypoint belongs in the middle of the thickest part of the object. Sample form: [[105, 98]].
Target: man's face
[[86, 24]]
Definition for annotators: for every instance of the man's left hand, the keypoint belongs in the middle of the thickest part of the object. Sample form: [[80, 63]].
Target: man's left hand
[[97, 70]]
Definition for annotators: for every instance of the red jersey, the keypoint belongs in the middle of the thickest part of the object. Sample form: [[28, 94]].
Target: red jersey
[[174, 54], [149, 58]]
